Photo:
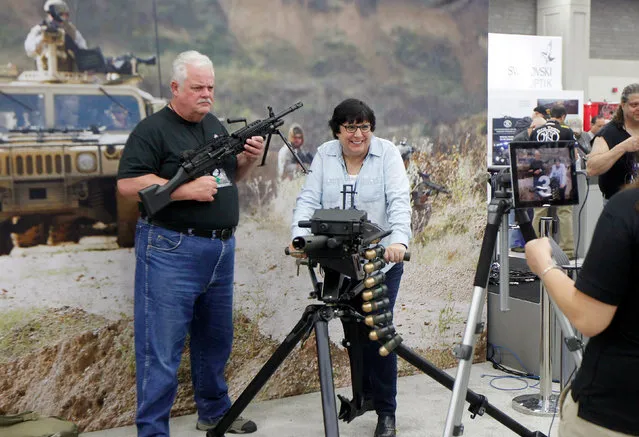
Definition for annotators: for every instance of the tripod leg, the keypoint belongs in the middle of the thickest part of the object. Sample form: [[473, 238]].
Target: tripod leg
[[478, 402], [329, 406], [300, 330], [465, 354], [474, 326]]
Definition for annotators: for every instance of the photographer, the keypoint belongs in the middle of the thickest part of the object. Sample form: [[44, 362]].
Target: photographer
[[601, 304], [374, 167], [57, 19]]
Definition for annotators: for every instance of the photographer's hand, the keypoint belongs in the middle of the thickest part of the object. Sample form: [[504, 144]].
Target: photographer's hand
[[395, 253], [539, 255]]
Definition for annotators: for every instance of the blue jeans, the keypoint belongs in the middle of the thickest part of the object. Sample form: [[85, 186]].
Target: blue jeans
[[183, 285], [379, 377]]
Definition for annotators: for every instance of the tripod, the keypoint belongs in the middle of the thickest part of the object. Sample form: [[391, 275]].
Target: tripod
[[498, 208], [315, 317]]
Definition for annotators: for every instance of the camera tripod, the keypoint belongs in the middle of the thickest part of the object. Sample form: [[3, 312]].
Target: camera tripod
[[498, 210]]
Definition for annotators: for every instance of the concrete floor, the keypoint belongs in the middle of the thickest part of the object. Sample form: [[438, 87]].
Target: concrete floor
[[422, 409]]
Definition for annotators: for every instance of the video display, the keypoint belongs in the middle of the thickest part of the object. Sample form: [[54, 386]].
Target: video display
[[544, 173]]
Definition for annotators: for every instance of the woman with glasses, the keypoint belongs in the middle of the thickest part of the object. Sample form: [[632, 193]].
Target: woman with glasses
[[374, 167]]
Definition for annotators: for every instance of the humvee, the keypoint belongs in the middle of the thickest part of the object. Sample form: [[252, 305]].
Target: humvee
[[60, 146]]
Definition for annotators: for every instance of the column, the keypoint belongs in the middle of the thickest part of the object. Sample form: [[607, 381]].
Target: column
[[569, 19]]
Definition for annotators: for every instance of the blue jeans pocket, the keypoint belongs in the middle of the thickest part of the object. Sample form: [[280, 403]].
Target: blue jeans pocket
[[164, 240]]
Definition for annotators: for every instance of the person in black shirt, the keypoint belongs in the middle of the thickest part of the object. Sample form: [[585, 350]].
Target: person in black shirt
[[556, 130], [613, 156], [602, 304], [536, 168], [185, 254]]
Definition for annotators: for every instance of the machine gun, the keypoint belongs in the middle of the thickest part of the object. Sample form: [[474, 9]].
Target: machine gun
[[209, 156], [432, 185]]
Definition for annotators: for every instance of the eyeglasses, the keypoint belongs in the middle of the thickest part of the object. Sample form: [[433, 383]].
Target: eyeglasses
[[352, 128]]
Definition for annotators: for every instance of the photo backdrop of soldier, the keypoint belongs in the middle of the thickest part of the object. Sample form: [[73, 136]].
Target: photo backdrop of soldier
[[66, 287]]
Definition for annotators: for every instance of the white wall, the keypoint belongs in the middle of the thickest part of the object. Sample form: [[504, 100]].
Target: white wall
[[605, 74]]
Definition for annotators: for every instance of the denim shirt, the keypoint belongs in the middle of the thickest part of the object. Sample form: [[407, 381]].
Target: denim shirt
[[382, 189]]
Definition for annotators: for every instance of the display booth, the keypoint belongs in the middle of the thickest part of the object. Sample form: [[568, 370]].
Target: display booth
[[524, 72]]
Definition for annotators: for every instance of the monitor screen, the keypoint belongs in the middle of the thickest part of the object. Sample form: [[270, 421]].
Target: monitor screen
[[543, 173]]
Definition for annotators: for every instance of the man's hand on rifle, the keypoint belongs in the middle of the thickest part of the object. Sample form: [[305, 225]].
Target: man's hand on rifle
[[202, 189], [253, 149]]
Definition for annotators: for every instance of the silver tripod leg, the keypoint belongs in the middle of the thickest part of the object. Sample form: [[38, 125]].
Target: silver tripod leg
[[504, 265], [498, 209], [464, 352]]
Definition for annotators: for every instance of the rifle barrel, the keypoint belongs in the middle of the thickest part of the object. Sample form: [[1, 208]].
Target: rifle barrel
[[290, 109]]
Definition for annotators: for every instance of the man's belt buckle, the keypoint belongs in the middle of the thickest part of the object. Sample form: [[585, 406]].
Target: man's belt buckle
[[225, 234]]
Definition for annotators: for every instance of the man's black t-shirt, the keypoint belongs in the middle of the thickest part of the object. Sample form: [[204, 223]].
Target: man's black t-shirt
[[155, 146], [536, 164], [619, 174], [553, 130], [607, 384]]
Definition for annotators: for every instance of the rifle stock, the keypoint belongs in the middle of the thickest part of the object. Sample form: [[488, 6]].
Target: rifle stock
[[209, 156], [155, 197]]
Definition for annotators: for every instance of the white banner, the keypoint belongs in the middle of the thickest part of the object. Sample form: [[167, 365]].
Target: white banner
[[524, 62], [507, 110]]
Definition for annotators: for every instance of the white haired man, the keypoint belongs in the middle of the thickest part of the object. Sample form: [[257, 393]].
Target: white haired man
[[185, 254]]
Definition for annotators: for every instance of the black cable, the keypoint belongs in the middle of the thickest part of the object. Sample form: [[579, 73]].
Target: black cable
[[515, 276]]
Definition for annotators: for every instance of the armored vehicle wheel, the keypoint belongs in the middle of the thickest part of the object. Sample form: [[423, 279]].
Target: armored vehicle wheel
[[33, 236], [64, 231], [6, 244], [128, 214]]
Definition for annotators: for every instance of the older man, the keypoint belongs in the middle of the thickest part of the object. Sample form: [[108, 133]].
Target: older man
[[596, 123], [185, 254]]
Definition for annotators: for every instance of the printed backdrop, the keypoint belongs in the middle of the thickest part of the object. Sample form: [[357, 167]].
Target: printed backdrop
[[66, 304]]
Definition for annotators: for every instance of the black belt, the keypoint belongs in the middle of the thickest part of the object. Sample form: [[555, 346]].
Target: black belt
[[222, 234]]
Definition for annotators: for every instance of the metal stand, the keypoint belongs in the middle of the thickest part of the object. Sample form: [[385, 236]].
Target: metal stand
[[504, 262], [545, 403]]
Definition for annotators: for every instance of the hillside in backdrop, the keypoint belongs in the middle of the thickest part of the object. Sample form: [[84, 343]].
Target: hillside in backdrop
[[418, 63]]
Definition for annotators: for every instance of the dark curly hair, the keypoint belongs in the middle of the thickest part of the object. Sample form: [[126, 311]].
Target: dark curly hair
[[351, 111]]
